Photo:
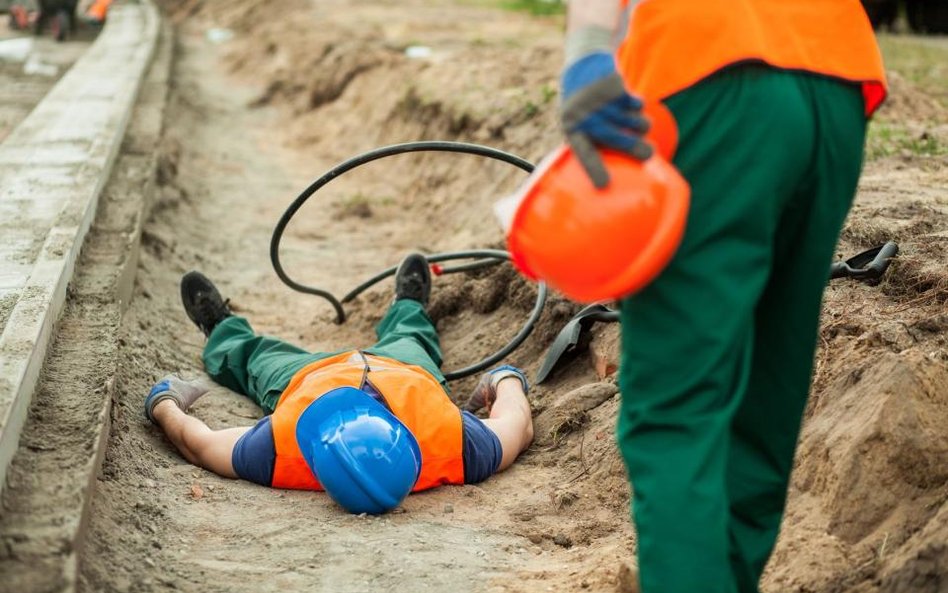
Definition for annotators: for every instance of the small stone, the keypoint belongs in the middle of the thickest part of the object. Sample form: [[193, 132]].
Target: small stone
[[604, 353], [149, 483], [448, 508], [197, 492], [561, 539], [210, 487], [584, 584], [149, 562]]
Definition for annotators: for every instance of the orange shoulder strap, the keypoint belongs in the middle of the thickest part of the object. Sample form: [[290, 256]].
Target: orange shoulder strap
[[290, 469], [413, 395], [420, 402]]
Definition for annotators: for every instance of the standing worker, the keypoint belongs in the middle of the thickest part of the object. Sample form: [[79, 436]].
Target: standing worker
[[770, 100]]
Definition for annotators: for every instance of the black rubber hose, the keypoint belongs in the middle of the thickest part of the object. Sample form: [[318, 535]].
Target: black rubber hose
[[358, 161], [511, 346], [488, 257], [495, 256]]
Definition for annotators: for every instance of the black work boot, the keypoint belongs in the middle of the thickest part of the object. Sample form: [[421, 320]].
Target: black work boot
[[202, 302], [413, 279]]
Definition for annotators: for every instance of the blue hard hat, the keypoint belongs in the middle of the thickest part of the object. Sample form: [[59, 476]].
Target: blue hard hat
[[366, 458]]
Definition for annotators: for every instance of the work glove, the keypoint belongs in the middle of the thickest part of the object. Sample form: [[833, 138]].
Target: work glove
[[485, 392], [184, 393], [598, 112]]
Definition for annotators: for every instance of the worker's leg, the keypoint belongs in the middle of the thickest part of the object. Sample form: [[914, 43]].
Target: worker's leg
[[765, 428], [259, 367], [688, 338], [407, 334]]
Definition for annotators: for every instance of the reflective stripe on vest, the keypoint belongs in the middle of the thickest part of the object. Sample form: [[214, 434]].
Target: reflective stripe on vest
[[673, 44], [412, 394]]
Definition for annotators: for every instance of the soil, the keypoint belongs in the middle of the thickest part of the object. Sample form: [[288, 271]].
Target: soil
[[303, 86]]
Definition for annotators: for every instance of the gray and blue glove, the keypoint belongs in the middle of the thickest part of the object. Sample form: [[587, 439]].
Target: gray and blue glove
[[485, 392], [597, 111], [183, 393]]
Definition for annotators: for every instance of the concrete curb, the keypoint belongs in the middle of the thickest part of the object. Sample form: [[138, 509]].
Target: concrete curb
[[52, 170], [51, 483]]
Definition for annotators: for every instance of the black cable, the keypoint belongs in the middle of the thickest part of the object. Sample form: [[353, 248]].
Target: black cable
[[488, 257], [358, 161], [493, 257]]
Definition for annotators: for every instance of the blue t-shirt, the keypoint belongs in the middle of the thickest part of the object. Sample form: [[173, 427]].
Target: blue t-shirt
[[255, 454]]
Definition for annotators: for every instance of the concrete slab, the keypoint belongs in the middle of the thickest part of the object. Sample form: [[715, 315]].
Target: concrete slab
[[47, 501], [53, 167]]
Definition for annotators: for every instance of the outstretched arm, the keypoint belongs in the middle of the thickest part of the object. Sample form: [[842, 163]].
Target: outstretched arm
[[510, 419], [210, 449]]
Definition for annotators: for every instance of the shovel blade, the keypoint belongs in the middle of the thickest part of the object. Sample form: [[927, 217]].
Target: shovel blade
[[570, 336]]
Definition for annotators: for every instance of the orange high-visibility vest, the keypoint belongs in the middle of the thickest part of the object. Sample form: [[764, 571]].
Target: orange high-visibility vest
[[99, 9], [412, 394], [673, 44]]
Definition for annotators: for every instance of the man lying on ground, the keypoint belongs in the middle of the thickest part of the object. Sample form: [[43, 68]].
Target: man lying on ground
[[366, 426]]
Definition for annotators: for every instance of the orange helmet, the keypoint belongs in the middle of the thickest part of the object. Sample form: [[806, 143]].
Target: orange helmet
[[596, 245], [663, 130]]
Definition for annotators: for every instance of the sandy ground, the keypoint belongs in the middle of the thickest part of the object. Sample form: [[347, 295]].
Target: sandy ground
[[304, 85]]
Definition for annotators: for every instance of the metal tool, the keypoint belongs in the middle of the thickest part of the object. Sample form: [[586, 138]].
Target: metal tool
[[570, 336], [868, 266]]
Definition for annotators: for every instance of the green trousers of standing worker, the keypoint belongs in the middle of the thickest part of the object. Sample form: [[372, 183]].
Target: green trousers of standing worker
[[261, 367], [717, 353]]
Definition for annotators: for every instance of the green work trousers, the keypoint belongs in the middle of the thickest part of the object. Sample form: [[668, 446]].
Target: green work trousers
[[261, 367], [717, 353]]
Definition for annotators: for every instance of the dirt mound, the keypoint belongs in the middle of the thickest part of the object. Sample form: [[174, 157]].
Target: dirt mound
[[871, 474], [906, 102]]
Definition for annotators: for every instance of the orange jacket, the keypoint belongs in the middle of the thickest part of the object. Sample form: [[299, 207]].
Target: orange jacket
[[673, 44], [99, 9], [412, 394]]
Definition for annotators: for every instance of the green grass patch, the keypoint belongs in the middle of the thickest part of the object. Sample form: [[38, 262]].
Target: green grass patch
[[885, 139], [534, 7]]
